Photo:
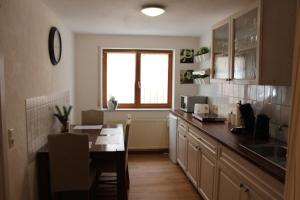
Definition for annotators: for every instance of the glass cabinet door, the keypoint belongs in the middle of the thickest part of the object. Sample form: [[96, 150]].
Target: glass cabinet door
[[245, 45], [220, 52]]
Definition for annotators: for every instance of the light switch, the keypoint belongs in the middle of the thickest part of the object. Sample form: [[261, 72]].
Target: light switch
[[11, 140]]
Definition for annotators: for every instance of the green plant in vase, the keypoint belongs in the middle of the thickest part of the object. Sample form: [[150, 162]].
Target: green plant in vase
[[63, 117]]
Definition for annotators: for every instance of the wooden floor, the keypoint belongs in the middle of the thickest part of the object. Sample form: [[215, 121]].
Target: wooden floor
[[155, 177]]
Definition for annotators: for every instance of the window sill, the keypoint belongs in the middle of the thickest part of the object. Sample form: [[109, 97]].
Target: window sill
[[137, 109]]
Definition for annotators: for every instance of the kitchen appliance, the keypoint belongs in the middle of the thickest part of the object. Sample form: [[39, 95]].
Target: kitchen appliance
[[187, 103], [262, 127], [209, 117], [247, 115], [172, 138], [201, 108]]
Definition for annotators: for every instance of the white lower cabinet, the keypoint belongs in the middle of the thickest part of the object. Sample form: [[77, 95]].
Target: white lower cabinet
[[232, 187], [182, 149], [201, 162], [220, 174], [192, 159], [228, 186], [206, 178]]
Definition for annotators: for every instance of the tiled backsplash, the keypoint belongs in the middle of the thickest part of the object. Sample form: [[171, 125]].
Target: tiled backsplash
[[274, 101], [40, 121]]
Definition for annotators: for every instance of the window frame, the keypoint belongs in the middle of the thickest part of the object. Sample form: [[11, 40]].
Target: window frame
[[137, 101]]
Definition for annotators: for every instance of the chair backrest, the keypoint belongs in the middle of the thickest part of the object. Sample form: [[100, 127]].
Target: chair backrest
[[92, 117], [126, 136], [69, 162], [126, 140]]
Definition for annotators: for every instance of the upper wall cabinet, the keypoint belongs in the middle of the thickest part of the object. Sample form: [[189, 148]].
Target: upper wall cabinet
[[260, 44], [245, 49], [221, 50]]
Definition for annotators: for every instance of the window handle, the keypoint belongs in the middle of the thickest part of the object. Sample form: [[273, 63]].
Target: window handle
[[139, 84]]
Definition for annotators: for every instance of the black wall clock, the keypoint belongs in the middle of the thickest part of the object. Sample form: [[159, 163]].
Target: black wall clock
[[54, 45]]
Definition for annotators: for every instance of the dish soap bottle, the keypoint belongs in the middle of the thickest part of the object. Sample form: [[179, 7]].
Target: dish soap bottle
[[238, 114]]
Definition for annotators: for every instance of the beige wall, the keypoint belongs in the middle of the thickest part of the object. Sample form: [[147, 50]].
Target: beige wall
[[87, 62], [24, 29]]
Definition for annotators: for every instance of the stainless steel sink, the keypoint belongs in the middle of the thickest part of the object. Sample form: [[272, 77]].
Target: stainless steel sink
[[275, 153]]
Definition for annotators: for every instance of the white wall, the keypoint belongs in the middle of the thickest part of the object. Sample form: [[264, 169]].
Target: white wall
[[24, 29], [205, 39], [87, 59]]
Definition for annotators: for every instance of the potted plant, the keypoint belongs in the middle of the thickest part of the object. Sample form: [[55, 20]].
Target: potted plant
[[63, 117], [202, 54]]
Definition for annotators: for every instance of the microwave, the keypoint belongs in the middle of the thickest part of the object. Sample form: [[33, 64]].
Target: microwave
[[187, 103]]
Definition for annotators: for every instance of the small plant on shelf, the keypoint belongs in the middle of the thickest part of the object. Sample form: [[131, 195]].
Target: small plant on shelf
[[63, 117]]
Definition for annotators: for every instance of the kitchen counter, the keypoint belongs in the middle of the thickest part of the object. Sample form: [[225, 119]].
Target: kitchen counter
[[220, 131]]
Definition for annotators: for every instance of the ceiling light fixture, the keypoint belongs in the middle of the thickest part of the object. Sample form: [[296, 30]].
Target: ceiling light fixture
[[153, 11]]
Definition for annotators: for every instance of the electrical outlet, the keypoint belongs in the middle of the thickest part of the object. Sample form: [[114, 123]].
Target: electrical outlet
[[129, 116], [11, 140]]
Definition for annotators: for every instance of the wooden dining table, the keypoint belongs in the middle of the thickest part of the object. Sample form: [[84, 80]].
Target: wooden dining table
[[105, 151]]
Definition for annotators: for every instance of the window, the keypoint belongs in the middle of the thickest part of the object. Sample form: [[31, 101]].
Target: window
[[138, 78]]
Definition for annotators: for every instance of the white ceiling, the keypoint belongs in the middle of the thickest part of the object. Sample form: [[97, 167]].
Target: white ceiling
[[182, 17]]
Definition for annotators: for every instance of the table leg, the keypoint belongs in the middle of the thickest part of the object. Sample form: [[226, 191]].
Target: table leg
[[121, 173], [43, 174]]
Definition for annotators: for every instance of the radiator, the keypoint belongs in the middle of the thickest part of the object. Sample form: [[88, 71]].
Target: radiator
[[147, 134]]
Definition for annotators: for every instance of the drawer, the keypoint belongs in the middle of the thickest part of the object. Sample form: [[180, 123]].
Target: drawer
[[181, 131], [207, 144], [182, 124]]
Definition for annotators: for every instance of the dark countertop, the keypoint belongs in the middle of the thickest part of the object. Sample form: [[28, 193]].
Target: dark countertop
[[221, 132]]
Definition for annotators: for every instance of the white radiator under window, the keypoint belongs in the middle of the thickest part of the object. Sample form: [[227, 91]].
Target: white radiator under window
[[147, 134]]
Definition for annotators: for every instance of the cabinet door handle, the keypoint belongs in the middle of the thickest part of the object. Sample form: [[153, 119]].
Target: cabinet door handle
[[246, 190]]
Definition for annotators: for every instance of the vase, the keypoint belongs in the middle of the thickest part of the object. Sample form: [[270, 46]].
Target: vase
[[202, 58], [112, 105], [198, 59], [65, 127]]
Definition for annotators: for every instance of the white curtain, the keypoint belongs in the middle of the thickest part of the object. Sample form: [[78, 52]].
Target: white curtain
[[292, 187]]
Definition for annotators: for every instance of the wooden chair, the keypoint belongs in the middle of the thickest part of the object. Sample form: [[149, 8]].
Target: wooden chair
[[92, 117], [70, 173], [107, 170]]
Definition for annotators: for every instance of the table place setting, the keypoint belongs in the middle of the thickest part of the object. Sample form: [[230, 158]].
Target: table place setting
[[109, 131], [112, 139], [87, 127]]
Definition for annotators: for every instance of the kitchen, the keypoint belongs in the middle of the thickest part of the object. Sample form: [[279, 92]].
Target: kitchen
[[242, 57]]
